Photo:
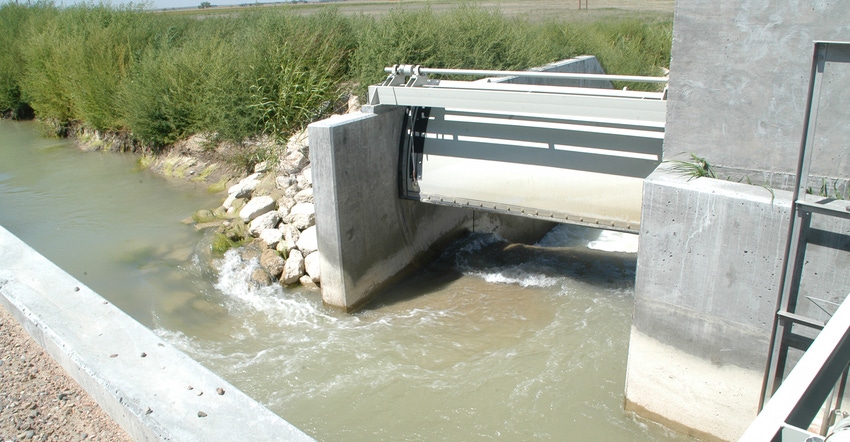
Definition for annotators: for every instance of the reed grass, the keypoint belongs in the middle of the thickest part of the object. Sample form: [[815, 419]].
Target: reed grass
[[161, 77]]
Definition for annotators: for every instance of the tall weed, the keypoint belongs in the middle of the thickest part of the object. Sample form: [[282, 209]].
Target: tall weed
[[162, 77], [624, 46], [178, 82], [297, 70], [15, 24]]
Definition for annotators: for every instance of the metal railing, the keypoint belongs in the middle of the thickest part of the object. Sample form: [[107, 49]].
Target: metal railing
[[409, 70]]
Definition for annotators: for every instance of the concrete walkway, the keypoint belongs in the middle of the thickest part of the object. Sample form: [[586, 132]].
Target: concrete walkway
[[140, 380]]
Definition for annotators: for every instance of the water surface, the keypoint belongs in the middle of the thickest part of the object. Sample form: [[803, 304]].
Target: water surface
[[492, 341]]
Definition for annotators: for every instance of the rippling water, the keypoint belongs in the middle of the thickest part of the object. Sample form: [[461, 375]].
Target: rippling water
[[492, 341]]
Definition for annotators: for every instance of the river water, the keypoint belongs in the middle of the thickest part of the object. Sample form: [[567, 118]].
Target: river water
[[492, 341]]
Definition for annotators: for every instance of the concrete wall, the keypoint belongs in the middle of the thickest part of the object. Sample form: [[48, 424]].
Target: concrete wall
[[708, 266], [738, 85], [368, 237], [709, 262], [711, 251]]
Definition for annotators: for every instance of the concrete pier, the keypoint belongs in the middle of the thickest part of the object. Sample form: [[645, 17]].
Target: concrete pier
[[368, 237], [711, 250]]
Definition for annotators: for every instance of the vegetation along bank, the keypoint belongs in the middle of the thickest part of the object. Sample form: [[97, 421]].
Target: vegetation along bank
[[212, 97]]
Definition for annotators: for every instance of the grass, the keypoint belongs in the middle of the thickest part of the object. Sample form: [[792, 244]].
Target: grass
[[267, 72], [696, 167], [831, 188]]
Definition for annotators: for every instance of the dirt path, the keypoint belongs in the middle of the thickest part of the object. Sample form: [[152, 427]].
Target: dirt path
[[38, 400]]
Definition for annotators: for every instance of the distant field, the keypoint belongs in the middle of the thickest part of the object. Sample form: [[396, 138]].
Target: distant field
[[533, 10]]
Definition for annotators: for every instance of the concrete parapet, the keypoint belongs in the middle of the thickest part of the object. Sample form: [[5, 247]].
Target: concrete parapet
[[137, 378], [709, 263], [368, 237]]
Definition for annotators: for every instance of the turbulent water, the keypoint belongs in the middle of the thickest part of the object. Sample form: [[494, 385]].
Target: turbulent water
[[492, 341]]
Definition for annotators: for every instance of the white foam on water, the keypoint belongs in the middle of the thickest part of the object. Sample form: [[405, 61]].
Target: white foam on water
[[240, 292], [567, 235], [518, 276], [612, 241]]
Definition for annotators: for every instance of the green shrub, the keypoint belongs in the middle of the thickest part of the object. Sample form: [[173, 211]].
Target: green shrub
[[177, 84], [14, 30], [163, 77], [623, 47], [297, 66]]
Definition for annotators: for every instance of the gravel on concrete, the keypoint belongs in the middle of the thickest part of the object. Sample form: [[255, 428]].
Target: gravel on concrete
[[38, 400]]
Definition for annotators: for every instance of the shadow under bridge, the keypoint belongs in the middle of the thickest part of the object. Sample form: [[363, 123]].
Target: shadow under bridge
[[560, 153]]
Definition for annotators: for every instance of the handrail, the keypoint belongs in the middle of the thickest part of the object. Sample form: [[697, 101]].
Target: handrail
[[409, 69], [800, 396]]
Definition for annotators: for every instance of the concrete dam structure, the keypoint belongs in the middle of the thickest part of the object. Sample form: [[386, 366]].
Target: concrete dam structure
[[712, 256], [484, 156]]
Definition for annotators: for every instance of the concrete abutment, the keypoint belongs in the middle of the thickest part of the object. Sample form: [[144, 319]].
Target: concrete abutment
[[711, 251]]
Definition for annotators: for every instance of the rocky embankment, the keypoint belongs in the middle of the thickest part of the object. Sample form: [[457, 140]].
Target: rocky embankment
[[270, 216]]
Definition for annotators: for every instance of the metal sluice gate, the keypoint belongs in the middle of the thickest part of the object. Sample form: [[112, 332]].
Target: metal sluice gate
[[560, 153]]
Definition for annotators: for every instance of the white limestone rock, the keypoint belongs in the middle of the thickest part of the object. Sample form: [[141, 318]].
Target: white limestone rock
[[308, 282], [312, 265], [266, 221], [297, 142], [308, 242], [302, 215], [286, 203], [243, 188], [290, 237], [256, 207], [308, 175], [293, 268], [284, 181], [302, 182], [293, 162], [228, 202], [272, 237], [282, 209], [291, 191], [305, 196]]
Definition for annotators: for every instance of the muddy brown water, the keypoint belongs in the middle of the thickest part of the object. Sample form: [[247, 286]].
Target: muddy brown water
[[492, 341]]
